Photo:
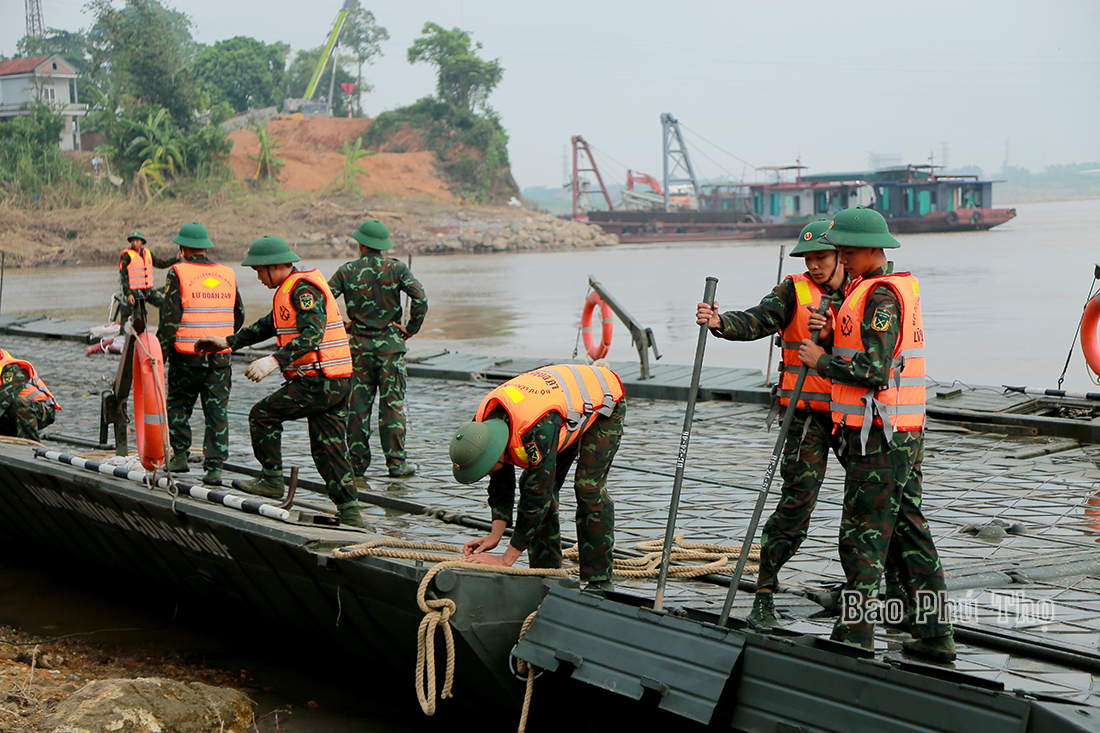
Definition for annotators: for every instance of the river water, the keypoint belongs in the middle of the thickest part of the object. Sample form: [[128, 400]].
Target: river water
[[999, 306]]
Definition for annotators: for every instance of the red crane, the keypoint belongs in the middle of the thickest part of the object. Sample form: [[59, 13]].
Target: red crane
[[580, 146]]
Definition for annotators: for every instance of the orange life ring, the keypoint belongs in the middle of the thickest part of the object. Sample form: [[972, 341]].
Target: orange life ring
[[596, 351], [1088, 334], [150, 407]]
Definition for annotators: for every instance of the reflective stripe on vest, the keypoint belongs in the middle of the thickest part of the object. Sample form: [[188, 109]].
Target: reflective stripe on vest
[[139, 268], [899, 404], [816, 389], [333, 356], [35, 389], [208, 294], [577, 392]]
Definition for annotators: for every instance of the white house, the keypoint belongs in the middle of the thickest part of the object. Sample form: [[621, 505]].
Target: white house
[[43, 78]]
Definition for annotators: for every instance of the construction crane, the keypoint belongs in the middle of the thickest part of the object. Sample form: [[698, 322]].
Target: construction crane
[[579, 188], [678, 169], [333, 41]]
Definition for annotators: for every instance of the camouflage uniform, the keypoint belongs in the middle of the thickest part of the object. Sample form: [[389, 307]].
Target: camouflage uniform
[[372, 287], [21, 416], [153, 297], [882, 519], [806, 450], [537, 527], [320, 400], [195, 376]]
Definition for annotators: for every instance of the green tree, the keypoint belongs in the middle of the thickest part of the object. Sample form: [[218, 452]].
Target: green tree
[[143, 50], [158, 141], [464, 80], [301, 71], [242, 71], [362, 36]]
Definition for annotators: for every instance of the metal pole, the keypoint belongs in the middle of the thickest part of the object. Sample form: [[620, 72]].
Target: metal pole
[[670, 527], [768, 475], [778, 279]]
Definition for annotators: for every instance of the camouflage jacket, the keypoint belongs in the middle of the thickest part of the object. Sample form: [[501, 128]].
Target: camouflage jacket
[[310, 320], [161, 263], [771, 316], [372, 287], [12, 380], [171, 312], [871, 368], [537, 483]]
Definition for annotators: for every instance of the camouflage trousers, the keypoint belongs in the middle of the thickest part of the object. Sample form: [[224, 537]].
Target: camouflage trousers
[[805, 457], [882, 519], [25, 417], [323, 403], [384, 375], [593, 452], [186, 384]]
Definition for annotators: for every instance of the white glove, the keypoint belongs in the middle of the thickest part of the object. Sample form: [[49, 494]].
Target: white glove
[[211, 345], [260, 368]]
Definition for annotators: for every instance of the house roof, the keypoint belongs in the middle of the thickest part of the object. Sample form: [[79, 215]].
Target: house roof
[[28, 66]]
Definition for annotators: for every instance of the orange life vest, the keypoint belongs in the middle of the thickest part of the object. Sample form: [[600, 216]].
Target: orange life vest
[[333, 356], [577, 392], [816, 389], [35, 388], [899, 404], [139, 268], [207, 294]]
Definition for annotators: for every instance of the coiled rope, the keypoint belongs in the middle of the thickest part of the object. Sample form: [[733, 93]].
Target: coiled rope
[[438, 612]]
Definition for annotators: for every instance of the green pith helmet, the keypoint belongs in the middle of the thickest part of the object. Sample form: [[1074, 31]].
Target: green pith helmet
[[476, 448], [269, 251], [808, 239], [193, 235], [373, 234], [137, 235], [860, 227]]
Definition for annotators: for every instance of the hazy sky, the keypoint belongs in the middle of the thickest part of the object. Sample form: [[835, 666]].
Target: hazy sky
[[764, 82]]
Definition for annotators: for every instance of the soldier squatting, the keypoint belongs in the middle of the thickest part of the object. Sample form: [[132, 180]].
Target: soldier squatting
[[863, 400]]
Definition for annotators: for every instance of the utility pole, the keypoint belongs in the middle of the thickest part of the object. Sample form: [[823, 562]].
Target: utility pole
[[35, 27]]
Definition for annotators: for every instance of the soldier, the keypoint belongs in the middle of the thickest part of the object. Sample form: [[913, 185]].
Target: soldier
[[541, 421], [135, 275], [786, 311], [201, 298], [372, 287], [314, 357], [26, 404], [877, 370]]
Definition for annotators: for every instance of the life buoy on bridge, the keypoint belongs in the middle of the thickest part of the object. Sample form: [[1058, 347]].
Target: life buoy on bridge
[[1089, 345], [952, 218], [150, 402], [596, 351]]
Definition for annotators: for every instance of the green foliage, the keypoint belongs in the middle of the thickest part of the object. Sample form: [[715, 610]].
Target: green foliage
[[362, 37], [472, 149], [30, 159], [464, 80], [158, 141], [301, 71], [242, 71], [268, 164], [142, 51], [352, 171]]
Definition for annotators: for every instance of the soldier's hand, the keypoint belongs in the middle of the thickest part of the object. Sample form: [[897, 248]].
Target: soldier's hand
[[211, 345], [705, 313], [130, 299], [481, 544], [820, 323], [404, 331], [486, 559], [809, 353], [260, 368]]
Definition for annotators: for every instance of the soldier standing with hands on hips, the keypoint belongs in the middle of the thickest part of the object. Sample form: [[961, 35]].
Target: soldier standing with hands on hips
[[878, 394], [315, 359], [372, 287]]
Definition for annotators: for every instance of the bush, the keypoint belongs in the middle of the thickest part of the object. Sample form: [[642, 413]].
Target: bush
[[31, 160]]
